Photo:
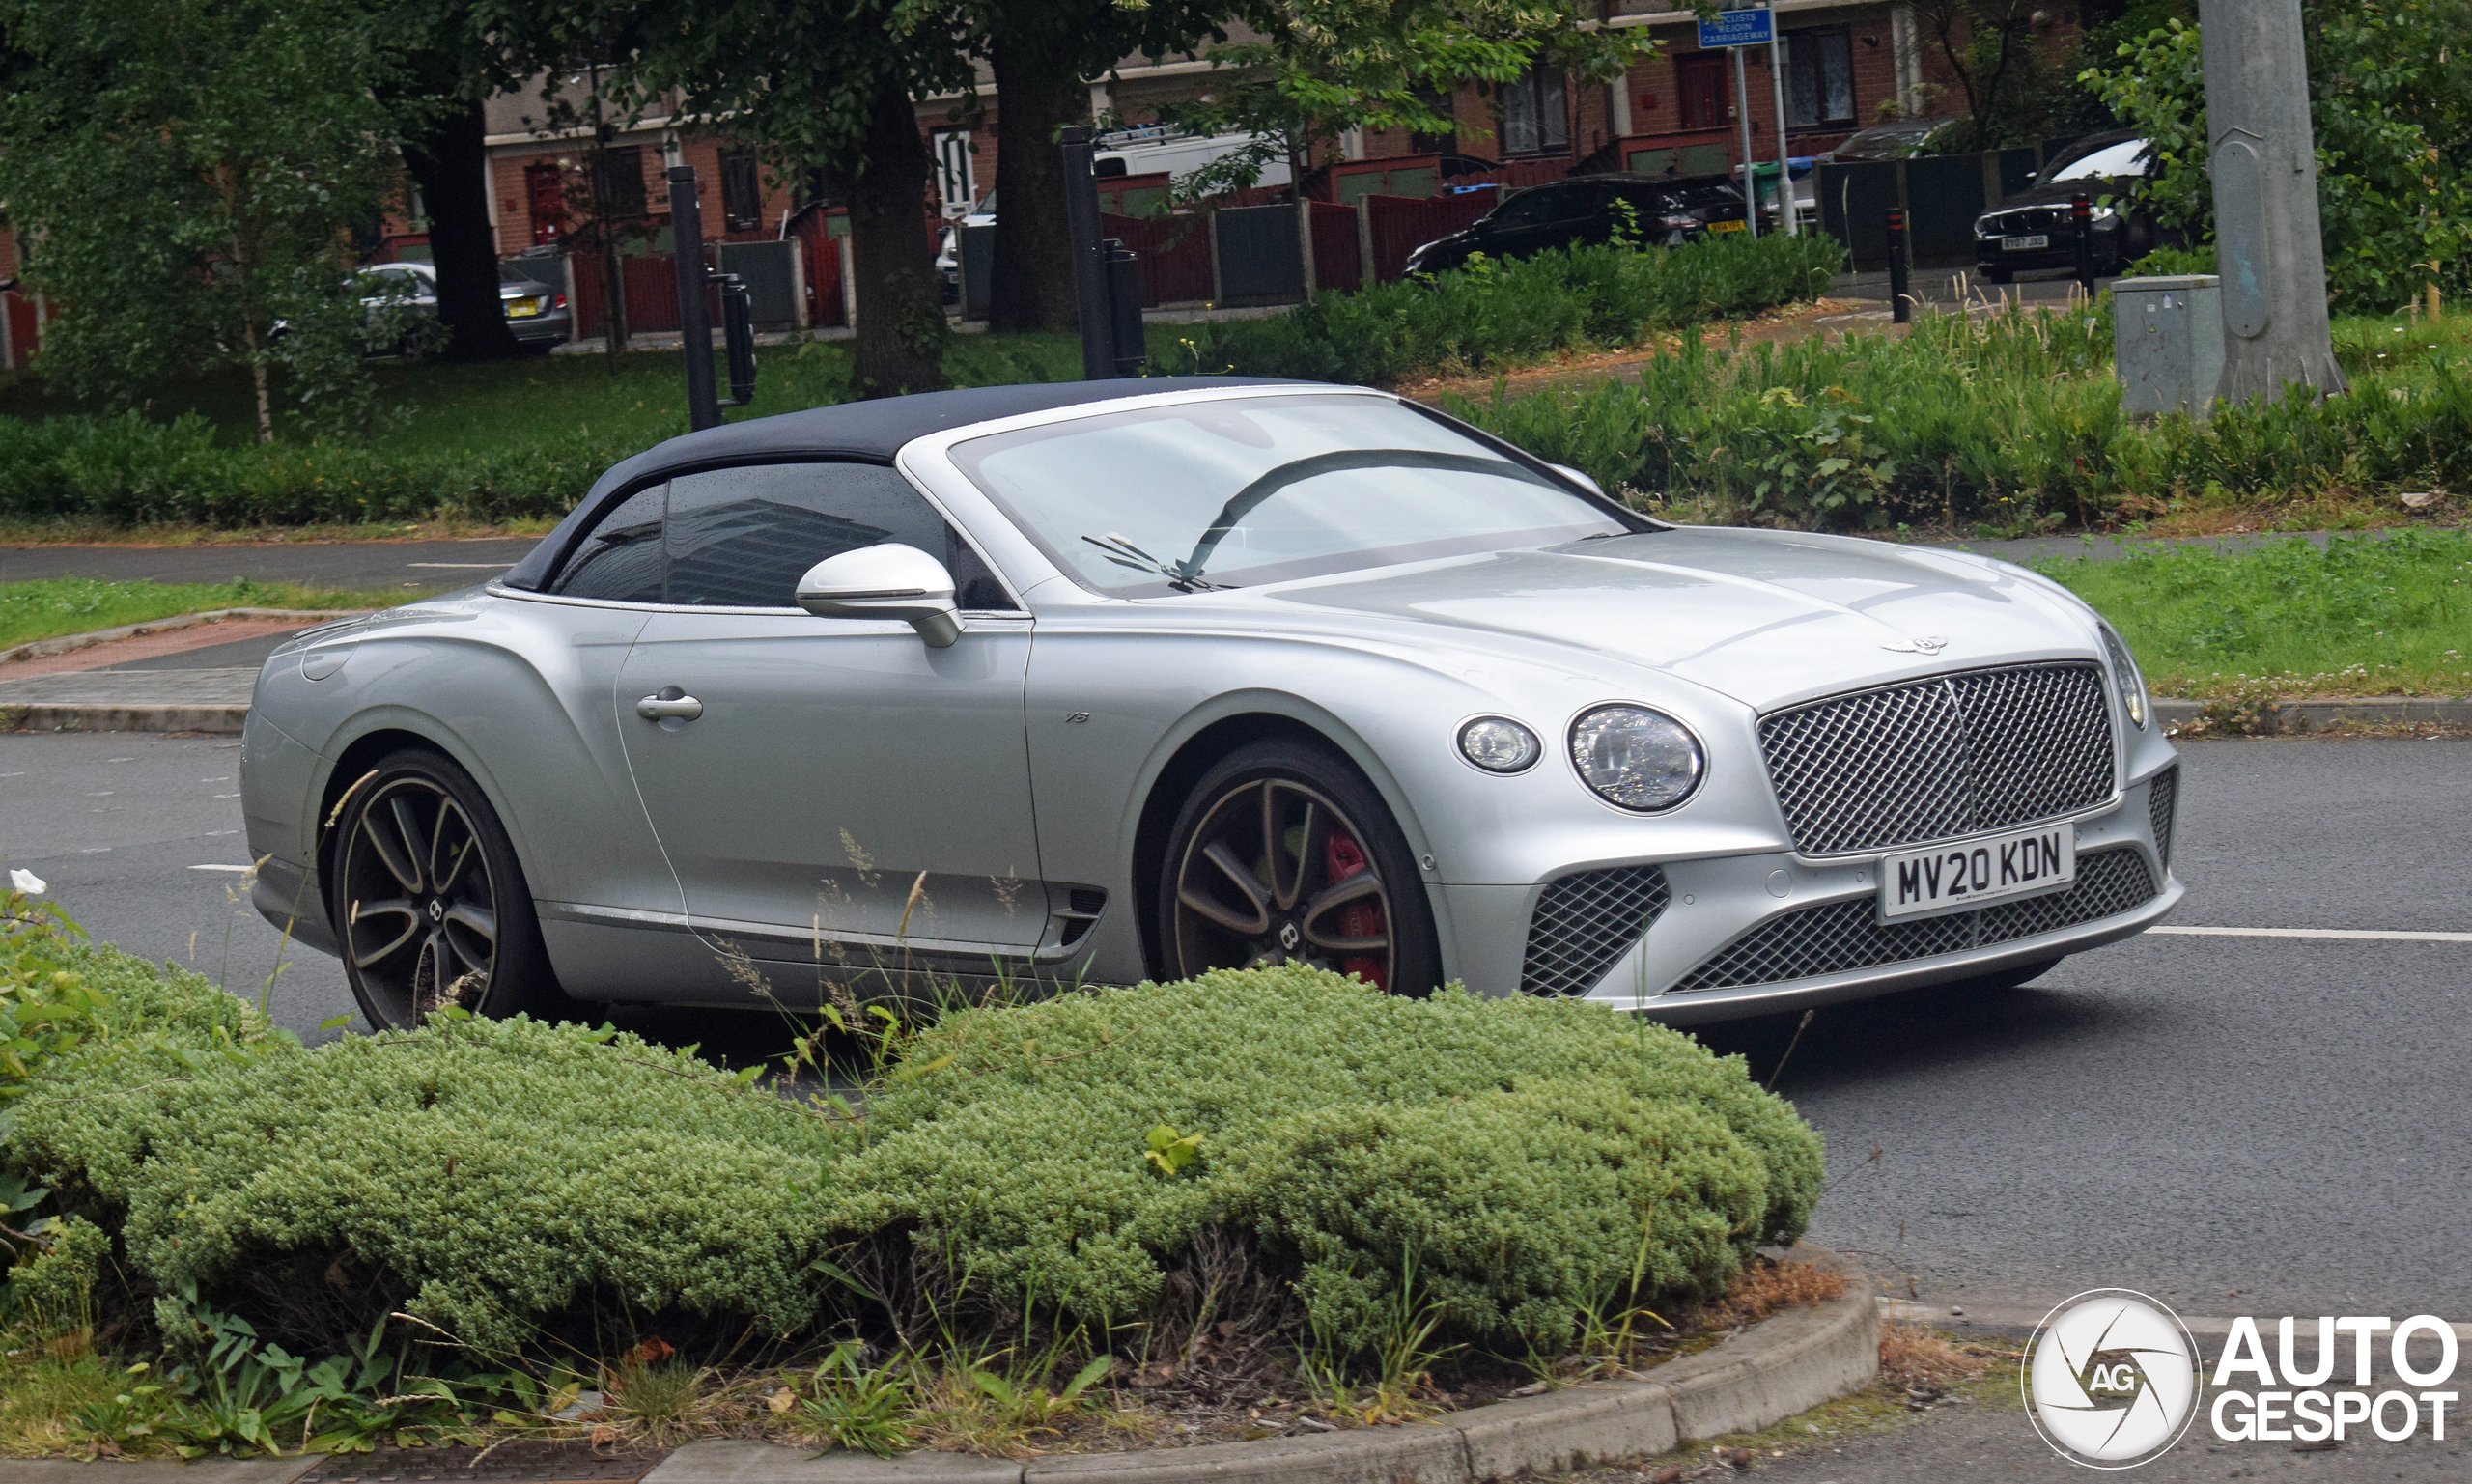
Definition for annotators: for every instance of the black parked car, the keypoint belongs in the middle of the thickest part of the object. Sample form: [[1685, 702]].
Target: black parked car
[[1587, 209], [2032, 228]]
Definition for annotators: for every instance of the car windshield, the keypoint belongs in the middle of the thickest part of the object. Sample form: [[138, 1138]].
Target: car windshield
[[2125, 158], [524, 272], [1232, 493]]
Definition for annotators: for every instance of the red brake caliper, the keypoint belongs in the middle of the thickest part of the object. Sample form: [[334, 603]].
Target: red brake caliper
[[1341, 858]]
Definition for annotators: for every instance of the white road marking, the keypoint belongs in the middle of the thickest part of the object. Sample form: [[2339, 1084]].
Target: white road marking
[[218, 868], [2363, 934], [461, 566], [227, 795], [2014, 1316]]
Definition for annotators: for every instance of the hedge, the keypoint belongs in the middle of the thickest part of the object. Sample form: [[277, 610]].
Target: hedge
[[1507, 1157]]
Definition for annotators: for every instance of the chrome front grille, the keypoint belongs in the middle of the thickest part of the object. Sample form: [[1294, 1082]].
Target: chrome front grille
[[1586, 921], [2162, 805], [1837, 937], [2030, 219], [1929, 760]]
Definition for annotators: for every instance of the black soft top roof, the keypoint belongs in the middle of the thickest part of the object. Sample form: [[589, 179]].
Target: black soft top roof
[[868, 431]]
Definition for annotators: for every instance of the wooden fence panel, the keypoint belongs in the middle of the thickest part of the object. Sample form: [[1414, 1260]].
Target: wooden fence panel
[[1401, 224]]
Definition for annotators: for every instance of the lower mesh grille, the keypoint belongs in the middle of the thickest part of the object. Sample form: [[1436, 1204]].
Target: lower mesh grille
[[2162, 802], [1835, 937], [1586, 921]]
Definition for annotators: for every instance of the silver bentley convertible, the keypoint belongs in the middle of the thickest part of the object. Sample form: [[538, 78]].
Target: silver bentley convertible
[[1105, 681]]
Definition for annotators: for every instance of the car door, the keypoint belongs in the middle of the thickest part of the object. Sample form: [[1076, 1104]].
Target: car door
[[831, 788], [1537, 219]]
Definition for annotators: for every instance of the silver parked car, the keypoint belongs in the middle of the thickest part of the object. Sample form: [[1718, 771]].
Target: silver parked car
[[1103, 681]]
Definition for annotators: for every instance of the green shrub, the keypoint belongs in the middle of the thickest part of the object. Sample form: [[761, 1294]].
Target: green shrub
[[1509, 1149], [1516, 1158], [2011, 422], [494, 1173], [1497, 312]]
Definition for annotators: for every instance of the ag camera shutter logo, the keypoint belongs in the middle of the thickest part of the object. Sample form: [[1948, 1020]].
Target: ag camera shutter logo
[[2112, 1378]]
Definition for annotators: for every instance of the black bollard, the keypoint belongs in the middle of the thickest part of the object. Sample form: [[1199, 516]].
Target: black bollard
[[2081, 219], [1900, 299]]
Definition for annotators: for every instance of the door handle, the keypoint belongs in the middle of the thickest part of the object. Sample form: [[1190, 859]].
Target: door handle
[[671, 703]]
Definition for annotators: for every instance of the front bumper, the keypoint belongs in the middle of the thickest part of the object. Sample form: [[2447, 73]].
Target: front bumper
[[1719, 912]]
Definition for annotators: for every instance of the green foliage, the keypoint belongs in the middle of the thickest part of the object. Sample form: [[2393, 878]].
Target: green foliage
[[2360, 615], [2009, 424], [183, 174], [1497, 312], [2390, 93], [497, 1172], [1517, 1156], [1515, 1146], [861, 1407]]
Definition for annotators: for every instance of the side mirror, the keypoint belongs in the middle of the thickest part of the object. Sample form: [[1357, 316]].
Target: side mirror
[[1578, 477], [889, 580]]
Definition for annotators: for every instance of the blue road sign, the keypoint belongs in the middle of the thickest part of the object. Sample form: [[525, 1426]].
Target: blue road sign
[[1738, 28]]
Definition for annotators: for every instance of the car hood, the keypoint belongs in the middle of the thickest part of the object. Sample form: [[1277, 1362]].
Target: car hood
[[2066, 191], [1768, 618]]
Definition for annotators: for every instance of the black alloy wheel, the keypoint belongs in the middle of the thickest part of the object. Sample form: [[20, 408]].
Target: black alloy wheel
[[1284, 855], [429, 906]]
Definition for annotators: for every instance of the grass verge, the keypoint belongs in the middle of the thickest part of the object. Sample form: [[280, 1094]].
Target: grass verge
[[2362, 616], [66, 605]]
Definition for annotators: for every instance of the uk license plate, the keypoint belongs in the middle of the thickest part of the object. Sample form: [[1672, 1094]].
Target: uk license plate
[[517, 309], [2020, 864], [2025, 244], [1727, 226]]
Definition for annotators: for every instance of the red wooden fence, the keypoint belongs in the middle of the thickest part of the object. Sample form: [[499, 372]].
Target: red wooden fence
[[1338, 263], [1174, 253], [1401, 224]]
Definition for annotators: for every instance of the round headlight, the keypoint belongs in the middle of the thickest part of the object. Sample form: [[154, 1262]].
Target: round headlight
[[1498, 745], [1636, 758], [2124, 675]]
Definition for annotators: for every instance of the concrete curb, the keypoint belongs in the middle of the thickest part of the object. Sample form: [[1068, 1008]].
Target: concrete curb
[[75, 716], [69, 643], [1787, 1364], [2285, 718]]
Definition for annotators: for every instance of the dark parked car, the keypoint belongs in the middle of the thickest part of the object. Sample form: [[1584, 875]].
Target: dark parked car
[[1897, 139], [2032, 228], [536, 311], [1585, 210]]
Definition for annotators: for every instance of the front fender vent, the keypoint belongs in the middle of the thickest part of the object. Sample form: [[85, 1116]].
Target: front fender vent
[[1585, 922], [2162, 807]]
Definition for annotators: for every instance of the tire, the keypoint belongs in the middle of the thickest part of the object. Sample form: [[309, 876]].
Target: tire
[[1226, 901], [413, 943], [2000, 275]]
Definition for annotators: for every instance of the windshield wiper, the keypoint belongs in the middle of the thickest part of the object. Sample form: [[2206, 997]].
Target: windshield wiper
[[1183, 576]]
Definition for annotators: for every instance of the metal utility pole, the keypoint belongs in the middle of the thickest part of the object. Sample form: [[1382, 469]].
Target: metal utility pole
[[1089, 269], [1792, 223], [694, 314], [2267, 234], [1750, 184]]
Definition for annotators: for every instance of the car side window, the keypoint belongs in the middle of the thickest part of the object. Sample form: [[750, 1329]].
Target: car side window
[[741, 538], [620, 559]]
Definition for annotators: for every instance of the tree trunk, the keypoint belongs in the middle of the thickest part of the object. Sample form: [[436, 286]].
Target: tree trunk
[[900, 333], [1038, 90], [449, 163]]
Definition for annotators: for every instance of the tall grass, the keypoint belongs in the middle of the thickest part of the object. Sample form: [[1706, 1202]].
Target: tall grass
[[2010, 423]]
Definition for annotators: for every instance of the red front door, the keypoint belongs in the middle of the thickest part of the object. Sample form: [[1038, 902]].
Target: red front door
[[546, 190], [1700, 85]]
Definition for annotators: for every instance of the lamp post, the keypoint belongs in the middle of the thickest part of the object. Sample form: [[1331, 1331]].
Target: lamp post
[[2268, 235]]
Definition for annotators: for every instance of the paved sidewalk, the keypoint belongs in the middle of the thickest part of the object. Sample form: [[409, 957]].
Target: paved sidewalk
[[406, 565]]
